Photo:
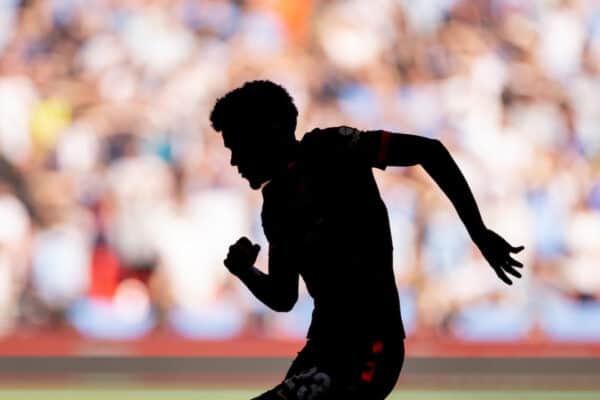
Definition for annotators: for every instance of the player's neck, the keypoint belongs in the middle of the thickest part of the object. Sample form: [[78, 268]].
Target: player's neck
[[288, 158]]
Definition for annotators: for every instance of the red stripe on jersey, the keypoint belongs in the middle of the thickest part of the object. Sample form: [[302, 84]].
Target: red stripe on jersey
[[378, 346], [291, 164], [383, 147], [366, 376]]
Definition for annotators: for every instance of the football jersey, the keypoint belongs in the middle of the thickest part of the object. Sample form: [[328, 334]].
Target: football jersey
[[327, 211]]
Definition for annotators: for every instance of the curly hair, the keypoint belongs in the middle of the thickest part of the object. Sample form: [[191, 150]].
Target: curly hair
[[260, 103]]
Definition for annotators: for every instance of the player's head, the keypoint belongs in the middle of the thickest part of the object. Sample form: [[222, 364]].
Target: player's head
[[258, 121]]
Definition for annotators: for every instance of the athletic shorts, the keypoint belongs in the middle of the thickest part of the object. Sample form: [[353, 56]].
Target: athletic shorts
[[364, 370]]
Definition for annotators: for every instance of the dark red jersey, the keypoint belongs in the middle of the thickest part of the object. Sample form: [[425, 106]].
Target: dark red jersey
[[327, 211]]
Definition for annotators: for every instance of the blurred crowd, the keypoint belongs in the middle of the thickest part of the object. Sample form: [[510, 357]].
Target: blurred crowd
[[118, 204]]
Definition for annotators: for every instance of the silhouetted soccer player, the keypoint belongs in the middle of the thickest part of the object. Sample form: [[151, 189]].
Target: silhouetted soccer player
[[325, 221]]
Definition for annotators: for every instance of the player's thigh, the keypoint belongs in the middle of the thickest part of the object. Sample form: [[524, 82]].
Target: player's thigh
[[307, 358], [303, 377], [310, 384], [377, 372], [369, 375]]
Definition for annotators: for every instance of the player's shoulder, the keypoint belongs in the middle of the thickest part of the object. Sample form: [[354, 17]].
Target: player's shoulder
[[330, 140], [331, 133]]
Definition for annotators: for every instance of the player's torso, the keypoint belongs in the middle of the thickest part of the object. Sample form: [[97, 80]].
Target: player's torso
[[328, 209], [335, 218]]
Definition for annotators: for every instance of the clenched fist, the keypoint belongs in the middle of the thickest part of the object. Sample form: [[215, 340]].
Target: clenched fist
[[241, 256]]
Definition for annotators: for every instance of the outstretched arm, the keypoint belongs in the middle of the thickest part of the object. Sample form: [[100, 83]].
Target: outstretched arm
[[278, 289], [399, 149], [433, 156]]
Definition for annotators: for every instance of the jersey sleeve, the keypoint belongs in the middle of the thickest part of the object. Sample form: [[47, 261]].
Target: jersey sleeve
[[348, 145]]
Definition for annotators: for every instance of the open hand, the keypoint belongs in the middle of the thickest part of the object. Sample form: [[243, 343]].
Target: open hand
[[497, 251], [241, 255]]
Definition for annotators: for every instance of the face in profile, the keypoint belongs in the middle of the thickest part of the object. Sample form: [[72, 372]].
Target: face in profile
[[257, 122], [253, 158]]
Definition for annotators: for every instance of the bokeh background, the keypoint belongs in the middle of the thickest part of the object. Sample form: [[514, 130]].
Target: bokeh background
[[118, 204]]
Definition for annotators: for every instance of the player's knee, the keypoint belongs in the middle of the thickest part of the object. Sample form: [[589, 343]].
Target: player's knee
[[270, 395], [308, 385], [264, 396], [318, 388]]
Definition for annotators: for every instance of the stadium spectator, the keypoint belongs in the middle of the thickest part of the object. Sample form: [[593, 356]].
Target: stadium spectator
[[104, 103]]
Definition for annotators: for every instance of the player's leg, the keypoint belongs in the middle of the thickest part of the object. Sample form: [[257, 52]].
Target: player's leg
[[304, 379], [310, 384], [367, 371], [379, 372]]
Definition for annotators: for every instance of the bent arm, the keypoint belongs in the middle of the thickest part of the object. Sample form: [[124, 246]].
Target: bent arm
[[278, 289], [432, 155]]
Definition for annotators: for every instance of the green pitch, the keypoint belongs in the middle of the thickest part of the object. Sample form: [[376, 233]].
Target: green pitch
[[162, 394]]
